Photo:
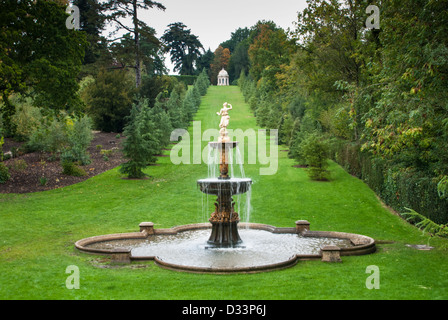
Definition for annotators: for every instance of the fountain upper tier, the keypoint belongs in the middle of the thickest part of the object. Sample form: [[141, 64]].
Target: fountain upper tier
[[231, 186], [223, 144]]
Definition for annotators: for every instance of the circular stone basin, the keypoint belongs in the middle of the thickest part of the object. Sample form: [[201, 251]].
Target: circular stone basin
[[218, 186], [263, 247], [259, 248]]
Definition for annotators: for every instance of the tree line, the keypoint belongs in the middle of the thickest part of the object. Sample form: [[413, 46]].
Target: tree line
[[374, 100], [57, 83]]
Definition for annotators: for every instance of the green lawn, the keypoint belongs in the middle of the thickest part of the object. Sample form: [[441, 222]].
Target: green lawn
[[38, 232]]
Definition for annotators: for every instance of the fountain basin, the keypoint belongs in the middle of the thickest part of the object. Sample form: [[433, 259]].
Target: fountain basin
[[265, 247], [232, 186]]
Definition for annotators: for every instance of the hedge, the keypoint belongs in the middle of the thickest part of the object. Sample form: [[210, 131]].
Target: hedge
[[399, 188]]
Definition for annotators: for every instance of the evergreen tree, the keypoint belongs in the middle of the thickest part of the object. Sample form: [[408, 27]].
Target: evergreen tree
[[91, 22], [119, 9], [204, 61], [141, 144], [158, 123], [183, 46], [196, 97], [314, 150], [202, 82], [174, 110], [189, 106]]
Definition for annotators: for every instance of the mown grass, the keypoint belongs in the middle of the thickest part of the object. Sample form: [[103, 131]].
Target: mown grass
[[38, 232]]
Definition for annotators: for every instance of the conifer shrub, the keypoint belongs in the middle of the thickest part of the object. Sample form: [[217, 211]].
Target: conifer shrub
[[314, 150], [4, 173], [141, 143]]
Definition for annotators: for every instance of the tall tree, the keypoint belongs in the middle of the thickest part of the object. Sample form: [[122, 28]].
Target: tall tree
[[38, 51], [239, 60], [183, 46], [121, 9], [236, 37], [269, 51], [204, 61], [91, 21], [123, 52], [220, 61]]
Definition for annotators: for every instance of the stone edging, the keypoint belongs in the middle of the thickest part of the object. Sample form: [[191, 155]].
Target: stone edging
[[361, 245]]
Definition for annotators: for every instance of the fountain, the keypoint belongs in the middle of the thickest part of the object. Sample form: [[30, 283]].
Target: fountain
[[224, 219], [263, 247]]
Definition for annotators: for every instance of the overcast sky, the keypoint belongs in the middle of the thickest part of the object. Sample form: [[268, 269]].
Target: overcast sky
[[213, 21]]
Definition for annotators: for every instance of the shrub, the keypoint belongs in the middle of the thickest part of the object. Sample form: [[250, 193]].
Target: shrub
[[2, 142], [141, 143], [106, 152], [71, 169], [315, 151], [26, 120], [19, 165], [79, 137], [67, 136], [108, 99], [56, 136], [51, 137], [43, 181], [4, 173]]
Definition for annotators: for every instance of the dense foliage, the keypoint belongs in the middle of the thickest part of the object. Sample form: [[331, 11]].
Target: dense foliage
[[38, 52], [148, 129], [377, 96]]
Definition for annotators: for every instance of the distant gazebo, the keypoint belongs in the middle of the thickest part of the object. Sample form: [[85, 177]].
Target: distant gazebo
[[223, 78]]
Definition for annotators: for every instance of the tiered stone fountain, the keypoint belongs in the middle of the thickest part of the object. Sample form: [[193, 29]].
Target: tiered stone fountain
[[262, 248], [224, 219]]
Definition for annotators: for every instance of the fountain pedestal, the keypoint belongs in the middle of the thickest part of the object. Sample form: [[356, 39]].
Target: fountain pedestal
[[224, 222]]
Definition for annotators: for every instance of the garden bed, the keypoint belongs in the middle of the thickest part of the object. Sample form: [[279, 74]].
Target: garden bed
[[37, 171]]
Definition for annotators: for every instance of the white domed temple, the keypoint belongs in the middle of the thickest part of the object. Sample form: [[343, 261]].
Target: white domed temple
[[223, 78]]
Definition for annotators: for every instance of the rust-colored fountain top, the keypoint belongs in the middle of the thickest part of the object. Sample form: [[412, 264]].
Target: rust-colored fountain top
[[224, 219]]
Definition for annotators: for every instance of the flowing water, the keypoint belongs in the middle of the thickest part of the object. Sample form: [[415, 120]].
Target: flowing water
[[236, 172]]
